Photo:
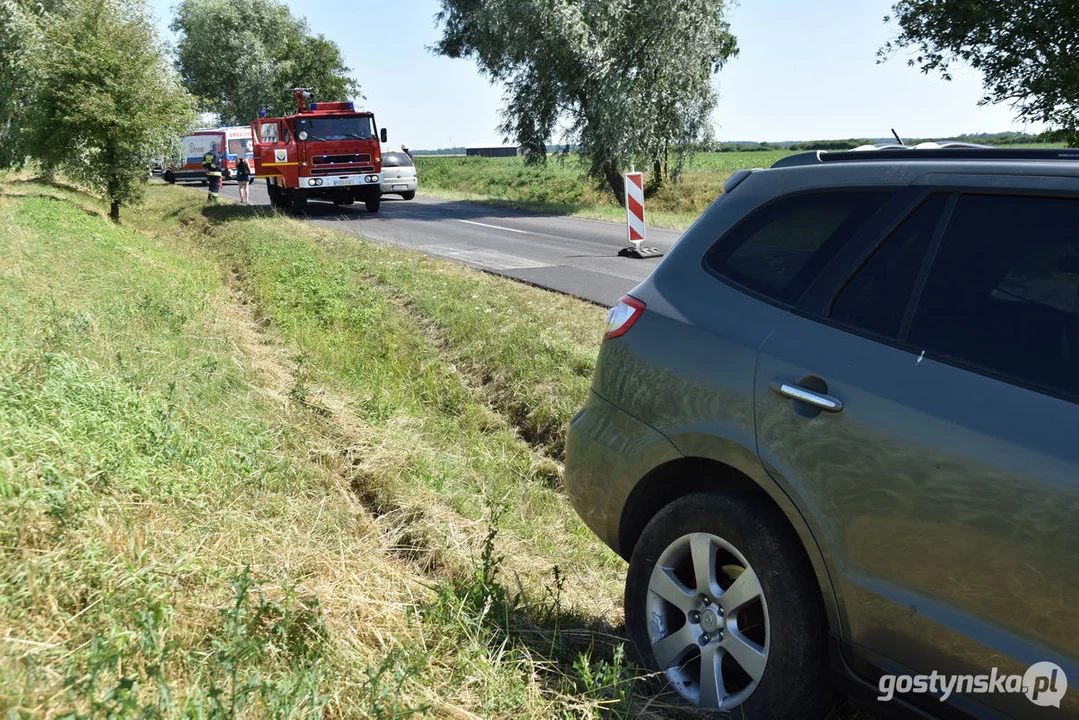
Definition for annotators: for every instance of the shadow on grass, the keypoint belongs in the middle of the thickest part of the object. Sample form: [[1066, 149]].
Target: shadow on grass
[[220, 213]]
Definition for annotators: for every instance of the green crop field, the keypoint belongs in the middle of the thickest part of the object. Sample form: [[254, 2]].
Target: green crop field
[[562, 187]]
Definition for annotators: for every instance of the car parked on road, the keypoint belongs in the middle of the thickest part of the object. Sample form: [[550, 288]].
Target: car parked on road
[[399, 175], [836, 436]]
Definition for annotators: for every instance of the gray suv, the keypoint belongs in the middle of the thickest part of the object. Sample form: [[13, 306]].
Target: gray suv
[[836, 436]]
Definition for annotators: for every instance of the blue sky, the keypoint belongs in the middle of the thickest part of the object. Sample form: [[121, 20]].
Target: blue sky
[[807, 70]]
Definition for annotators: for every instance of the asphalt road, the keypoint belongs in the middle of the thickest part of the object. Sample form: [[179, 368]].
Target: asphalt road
[[567, 254]]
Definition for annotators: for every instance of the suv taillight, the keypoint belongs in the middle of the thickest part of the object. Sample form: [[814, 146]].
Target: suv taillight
[[621, 317]]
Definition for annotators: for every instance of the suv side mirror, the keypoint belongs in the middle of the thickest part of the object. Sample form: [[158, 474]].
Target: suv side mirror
[[383, 135]]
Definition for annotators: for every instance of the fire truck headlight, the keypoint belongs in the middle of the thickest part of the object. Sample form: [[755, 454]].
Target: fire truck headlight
[[302, 134], [312, 181], [371, 178]]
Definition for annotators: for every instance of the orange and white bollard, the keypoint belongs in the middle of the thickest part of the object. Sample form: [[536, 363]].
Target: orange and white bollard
[[634, 183]]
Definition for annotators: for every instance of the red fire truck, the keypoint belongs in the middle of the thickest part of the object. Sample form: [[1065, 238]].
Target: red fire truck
[[326, 151]]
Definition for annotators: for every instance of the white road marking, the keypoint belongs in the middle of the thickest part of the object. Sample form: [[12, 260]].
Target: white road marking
[[495, 227]]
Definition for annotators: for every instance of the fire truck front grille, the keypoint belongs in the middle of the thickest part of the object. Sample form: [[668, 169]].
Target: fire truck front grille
[[337, 170], [341, 159]]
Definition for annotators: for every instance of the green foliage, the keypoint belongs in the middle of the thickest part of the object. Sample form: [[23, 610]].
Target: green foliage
[[849, 144], [254, 627], [105, 100], [631, 80], [1025, 49], [242, 55], [382, 691], [21, 26]]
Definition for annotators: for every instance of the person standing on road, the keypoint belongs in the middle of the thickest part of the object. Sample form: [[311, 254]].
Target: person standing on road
[[212, 167], [243, 177]]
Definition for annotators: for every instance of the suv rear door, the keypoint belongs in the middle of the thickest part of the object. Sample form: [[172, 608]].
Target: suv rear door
[[943, 483]]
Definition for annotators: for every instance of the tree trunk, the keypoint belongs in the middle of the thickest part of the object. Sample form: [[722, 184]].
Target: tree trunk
[[657, 180], [114, 211], [616, 182]]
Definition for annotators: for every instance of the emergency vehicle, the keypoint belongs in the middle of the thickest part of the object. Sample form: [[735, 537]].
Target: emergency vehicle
[[325, 151], [235, 140]]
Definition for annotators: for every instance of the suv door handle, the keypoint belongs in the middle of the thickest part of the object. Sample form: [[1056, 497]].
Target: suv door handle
[[818, 400]]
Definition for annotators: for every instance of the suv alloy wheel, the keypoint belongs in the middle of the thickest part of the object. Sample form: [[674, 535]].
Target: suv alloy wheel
[[721, 600]]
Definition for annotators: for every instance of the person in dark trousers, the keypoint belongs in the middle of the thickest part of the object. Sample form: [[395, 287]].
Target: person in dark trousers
[[212, 167], [243, 177]]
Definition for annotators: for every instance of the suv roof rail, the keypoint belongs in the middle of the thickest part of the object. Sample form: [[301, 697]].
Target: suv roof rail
[[947, 151]]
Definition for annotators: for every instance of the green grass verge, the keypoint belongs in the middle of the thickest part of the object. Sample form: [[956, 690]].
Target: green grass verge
[[255, 467], [306, 511]]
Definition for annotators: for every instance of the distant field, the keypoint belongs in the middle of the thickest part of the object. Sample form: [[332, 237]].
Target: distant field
[[561, 186]]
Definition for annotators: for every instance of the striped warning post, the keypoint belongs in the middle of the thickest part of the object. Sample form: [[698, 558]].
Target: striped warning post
[[634, 182]]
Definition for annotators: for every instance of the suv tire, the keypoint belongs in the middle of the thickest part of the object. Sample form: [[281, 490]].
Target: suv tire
[[776, 607]]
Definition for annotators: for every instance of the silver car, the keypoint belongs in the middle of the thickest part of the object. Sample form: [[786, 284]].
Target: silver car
[[398, 175], [834, 434]]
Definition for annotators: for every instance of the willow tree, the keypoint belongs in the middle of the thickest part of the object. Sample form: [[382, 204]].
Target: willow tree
[[105, 99], [631, 81], [1026, 50]]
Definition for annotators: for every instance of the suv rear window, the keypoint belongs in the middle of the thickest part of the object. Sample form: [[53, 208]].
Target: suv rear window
[[396, 159], [1003, 291], [779, 249]]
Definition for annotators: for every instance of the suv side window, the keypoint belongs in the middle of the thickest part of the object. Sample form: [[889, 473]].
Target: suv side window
[[1003, 292], [779, 249], [877, 296]]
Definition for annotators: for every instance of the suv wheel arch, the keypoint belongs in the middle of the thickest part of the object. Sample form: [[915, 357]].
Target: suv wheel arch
[[678, 478]]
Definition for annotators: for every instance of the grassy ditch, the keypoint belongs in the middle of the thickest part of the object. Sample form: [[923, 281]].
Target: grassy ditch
[[561, 186], [243, 478], [251, 466]]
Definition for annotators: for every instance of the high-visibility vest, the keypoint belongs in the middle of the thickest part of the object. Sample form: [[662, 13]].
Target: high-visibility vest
[[209, 164]]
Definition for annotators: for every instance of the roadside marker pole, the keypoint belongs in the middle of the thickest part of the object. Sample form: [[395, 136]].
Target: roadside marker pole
[[634, 184]]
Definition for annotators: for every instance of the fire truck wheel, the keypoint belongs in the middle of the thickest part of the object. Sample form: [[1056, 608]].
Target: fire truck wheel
[[275, 194], [372, 205], [298, 202], [169, 177]]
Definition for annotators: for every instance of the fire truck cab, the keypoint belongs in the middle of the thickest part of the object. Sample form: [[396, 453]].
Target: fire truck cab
[[326, 151]]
